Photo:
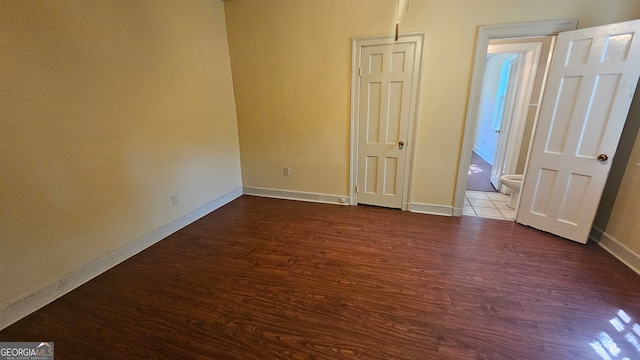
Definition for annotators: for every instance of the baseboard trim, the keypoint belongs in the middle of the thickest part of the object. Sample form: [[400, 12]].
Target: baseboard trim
[[29, 304], [431, 209], [616, 248], [457, 212], [482, 155], [296, 195], [336, 199]]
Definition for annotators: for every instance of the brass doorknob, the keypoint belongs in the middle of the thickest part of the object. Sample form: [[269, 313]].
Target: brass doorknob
[[602, 157], [401, 143]]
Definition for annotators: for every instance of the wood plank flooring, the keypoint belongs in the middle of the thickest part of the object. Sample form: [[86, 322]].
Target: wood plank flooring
[[275, 279]]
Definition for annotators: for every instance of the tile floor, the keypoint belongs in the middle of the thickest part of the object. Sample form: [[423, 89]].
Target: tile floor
[[487, 205]]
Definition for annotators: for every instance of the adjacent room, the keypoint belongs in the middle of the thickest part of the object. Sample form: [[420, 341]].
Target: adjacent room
[[198, 179]]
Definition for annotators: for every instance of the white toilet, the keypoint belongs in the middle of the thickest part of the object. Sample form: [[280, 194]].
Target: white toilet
[[513, 182]]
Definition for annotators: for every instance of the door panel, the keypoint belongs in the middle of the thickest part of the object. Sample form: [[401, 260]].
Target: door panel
[[372, 114], [567, 94], [390, 177], [592, 79], [371, 175], [593, 130], [384, 110], [546, 181]]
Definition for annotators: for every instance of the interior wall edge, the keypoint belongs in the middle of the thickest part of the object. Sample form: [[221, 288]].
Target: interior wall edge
[[616, 248], [41, 297]]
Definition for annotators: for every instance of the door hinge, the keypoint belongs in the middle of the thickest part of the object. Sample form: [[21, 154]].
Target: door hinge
[[360, 71], [356, 189]]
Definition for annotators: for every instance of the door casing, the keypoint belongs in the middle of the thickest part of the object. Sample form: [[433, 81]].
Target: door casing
[[357, 43], [486, 33]]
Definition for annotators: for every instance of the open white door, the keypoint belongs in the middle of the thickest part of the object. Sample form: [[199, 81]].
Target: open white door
[[593, 75]]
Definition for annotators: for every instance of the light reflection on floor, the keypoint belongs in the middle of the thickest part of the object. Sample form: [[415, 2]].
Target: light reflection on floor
[[474, 169], [607, 348]]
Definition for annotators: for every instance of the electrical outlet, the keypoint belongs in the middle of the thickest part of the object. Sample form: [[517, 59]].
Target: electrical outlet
[[287, 171], [174, 199]]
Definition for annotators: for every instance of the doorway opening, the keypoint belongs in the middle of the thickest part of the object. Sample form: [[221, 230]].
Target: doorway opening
[[513, 77], [528, 41], [590, 85]]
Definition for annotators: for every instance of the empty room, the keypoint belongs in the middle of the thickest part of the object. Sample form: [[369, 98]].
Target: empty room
[[287, 179]]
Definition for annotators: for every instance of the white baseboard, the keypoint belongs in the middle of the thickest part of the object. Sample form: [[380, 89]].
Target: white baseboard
[[27, 305], [457, 212], [483, 155], [431, 209], [296, 195], [335, 199], [616, 248]]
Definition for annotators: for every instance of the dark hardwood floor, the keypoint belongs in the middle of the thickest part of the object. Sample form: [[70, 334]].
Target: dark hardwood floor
[[274, 279]]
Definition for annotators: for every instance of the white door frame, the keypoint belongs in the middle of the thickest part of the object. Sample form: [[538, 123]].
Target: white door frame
[[356, 45], [486, 33]]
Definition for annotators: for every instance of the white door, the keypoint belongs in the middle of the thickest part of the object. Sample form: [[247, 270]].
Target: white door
[[592, 79], [506, 114], [386, 75]]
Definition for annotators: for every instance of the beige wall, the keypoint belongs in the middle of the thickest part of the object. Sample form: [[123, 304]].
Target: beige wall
[[291, 63], [108, 108], [623, 224], [620, 205]]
